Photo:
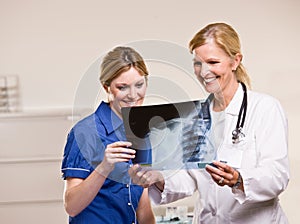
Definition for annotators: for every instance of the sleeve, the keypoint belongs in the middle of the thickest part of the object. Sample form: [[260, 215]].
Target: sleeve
[[178, 185], [271, 176], [74, 164]]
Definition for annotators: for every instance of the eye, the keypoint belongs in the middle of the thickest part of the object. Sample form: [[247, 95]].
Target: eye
[[197, 64], [213, 62], [139, 85], [122, 88]]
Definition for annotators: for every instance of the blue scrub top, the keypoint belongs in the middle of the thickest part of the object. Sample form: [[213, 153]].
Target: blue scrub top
[[84, 150]]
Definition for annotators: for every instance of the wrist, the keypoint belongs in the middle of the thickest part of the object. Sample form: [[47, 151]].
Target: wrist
[[103, 170], [239, 181], [160, 186], [160, 182]]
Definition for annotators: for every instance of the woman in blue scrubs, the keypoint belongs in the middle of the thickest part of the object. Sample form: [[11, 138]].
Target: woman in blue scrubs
[[97, 156]]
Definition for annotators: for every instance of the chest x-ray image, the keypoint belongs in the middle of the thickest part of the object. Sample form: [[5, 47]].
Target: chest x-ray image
[[171, 136]]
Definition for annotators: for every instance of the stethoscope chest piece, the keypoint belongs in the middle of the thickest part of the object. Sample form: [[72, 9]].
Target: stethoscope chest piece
[[237, 135]]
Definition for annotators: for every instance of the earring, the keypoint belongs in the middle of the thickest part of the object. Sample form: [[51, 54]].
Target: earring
[[110, 97], [235, 68]]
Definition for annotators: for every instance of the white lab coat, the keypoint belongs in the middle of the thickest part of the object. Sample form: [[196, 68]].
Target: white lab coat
[[262, 160]]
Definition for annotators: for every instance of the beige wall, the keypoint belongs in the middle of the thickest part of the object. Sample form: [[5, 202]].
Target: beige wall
[[51, 44], [30, 158]]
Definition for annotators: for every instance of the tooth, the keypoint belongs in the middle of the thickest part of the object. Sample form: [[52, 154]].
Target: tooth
[[210, 79]]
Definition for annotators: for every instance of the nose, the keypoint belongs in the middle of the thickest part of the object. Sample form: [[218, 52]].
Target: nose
[[205, 69], [132, 93]]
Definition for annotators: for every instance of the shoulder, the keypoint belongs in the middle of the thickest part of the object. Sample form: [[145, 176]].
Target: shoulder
[[264, 105], [89, 123], [94, 118], [80, 130], [85, 130], [86, 121], [263, 99]]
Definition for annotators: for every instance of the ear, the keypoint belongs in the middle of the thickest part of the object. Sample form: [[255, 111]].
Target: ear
[[107, 89], [236, 61]]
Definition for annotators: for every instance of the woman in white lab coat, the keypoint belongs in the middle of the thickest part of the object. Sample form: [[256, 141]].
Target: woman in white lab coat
[[245, 189]]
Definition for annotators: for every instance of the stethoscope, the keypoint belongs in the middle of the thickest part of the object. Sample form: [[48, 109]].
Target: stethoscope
[[237, 133]]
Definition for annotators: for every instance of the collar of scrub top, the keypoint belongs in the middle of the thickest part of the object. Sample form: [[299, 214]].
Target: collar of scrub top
[[108, 117]]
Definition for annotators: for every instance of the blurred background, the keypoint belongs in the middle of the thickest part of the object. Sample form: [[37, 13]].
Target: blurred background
[[49, 47]]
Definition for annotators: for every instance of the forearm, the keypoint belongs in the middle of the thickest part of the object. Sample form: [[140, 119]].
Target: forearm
[[145, 214], [175, 187], [265, 183], [146, 218]]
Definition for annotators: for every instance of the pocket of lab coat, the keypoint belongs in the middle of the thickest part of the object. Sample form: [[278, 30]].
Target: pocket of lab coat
[[264, 212], [242, 154]]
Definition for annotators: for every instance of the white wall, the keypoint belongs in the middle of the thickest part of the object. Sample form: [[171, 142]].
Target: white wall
[[51, 44]]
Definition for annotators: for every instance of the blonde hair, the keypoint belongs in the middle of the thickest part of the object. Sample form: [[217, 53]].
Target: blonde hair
[[120, 60], [227, 39]]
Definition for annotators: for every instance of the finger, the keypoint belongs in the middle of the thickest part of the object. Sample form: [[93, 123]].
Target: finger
[[220, 180], [216, 173], [114, 156], [120, 144], [120, 150], [212, 167], [117, 155], [228, 170], [136, 167], [138, 176], [141, 173], [221, 164], [146, 179], [133, 172], [223, 170]]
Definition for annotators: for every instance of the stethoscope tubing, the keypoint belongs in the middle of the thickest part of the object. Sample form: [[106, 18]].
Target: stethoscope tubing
[[237, 132]]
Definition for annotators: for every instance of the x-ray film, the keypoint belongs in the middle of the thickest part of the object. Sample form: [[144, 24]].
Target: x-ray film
[[170, 136]]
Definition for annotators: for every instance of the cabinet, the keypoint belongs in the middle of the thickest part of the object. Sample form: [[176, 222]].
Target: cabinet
[[31, 149]]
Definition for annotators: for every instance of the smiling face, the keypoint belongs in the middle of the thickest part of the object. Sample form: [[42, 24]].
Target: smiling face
[[127, 90], [215, 69]]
